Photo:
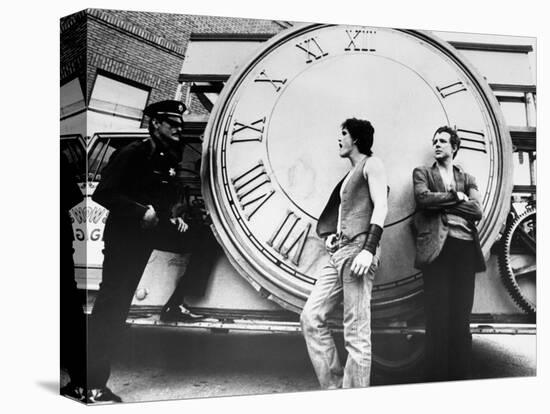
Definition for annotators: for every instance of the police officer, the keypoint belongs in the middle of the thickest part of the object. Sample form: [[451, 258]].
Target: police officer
[[138, 187]]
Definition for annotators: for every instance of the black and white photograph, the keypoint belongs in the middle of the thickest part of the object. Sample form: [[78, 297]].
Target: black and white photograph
[[253, 206], [370, 189]]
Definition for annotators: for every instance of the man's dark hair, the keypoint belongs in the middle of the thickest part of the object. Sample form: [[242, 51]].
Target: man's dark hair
[[454, 138], [362, 132]]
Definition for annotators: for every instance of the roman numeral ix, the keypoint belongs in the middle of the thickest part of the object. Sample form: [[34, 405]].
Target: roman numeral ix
[[248, 132]]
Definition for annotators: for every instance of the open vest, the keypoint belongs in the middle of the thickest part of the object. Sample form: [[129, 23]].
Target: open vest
[[356, 207]]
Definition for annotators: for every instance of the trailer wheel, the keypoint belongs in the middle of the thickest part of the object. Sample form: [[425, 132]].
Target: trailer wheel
[[517, 260], [398, 353]]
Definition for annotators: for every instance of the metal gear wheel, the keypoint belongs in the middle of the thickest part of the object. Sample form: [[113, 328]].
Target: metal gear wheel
[[517, 260]]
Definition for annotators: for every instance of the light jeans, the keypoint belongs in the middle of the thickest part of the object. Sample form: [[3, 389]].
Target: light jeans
[[334, 281]]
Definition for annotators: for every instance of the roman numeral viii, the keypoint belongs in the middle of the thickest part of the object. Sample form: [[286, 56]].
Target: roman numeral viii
[[312, 49], [289, 238], [253, 188]]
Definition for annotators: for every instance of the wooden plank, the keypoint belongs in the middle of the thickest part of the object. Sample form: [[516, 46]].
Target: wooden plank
[[202, 77], [212, 87], [492, 47], [504, 87], [231, 37], [531, 189], [524, 138], [512, 99]]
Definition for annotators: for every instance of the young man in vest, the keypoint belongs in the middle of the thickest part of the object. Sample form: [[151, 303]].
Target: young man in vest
[[449, 254], [351, 224]]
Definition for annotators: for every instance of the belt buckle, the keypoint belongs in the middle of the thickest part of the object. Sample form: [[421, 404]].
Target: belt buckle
[[341, 239]]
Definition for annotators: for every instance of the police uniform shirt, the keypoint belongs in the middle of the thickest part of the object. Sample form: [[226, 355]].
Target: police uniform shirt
[[137, 175]]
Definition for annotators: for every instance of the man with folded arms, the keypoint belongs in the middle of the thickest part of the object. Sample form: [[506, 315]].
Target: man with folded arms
[[449, 254]]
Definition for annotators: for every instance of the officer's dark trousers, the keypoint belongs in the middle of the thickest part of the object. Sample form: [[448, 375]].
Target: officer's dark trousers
[[203, 248], [449, 294], [123, 264], [125, 259]]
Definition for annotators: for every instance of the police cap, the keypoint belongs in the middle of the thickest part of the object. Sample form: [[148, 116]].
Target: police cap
[[166, 109]]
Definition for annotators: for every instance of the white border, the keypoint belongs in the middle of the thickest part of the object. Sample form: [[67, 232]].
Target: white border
[[30, 68]]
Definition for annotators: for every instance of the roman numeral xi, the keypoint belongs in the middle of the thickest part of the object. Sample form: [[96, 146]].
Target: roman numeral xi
[[312, 49]]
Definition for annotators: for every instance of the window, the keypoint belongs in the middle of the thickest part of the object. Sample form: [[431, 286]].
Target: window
[[73, 149], [115, 105], [71, 99], [525, 166], [515, 107], [72, 108], [102, 150]]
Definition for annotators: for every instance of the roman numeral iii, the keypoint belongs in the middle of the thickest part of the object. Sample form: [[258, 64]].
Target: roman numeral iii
[[472, 140]]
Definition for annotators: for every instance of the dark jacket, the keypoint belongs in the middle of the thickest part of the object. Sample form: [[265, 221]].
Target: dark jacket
[[136, 176], [433, 203]]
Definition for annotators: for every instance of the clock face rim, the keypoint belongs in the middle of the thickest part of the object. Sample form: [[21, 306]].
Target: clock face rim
[[245, 262]]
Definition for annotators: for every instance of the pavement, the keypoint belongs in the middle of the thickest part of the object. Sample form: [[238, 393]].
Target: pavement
[[153, 363]]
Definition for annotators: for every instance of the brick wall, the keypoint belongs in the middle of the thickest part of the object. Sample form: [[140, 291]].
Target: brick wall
[[73, 48], [121, 54], [174, 28], [218, 24], [145, 47]]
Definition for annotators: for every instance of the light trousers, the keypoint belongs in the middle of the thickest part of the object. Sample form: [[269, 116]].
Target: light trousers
[[335, 283]]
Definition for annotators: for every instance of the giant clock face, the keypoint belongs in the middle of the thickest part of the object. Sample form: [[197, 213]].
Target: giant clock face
[[270, 156]]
